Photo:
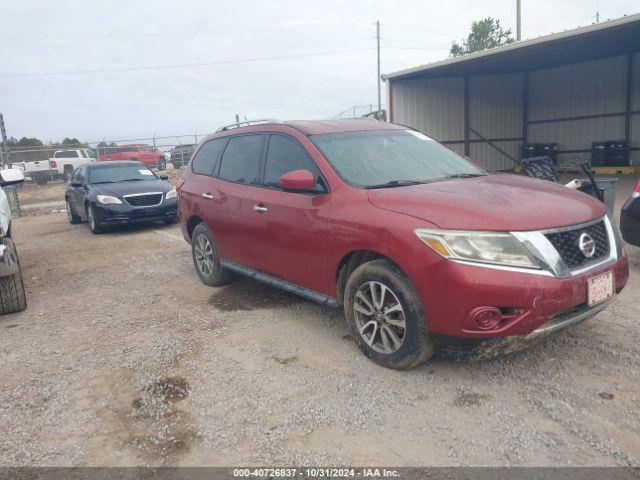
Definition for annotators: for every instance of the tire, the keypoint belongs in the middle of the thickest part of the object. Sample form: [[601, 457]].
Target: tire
[[162, 164], [40, 179], [177, 163], [396, 336], [94, 226], [171, 220], [12, 294], [206, 260], [71, 215]]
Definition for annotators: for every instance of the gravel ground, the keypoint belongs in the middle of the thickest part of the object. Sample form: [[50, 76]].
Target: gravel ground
[[124, 358]]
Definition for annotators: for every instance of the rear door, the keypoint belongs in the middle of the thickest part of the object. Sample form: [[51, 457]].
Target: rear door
[[235, 193], [198, 195], [292, 227]]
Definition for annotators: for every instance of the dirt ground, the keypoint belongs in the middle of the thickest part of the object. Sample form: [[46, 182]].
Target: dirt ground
[[123, 357]]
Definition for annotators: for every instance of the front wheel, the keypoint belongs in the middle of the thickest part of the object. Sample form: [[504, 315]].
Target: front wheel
[[94, 226], [206, 260], [12, 294], [385, 316], [73, 218], [162, 164]]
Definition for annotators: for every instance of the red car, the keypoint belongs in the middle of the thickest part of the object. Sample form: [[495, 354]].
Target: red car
[[422, 249], [138, 152]]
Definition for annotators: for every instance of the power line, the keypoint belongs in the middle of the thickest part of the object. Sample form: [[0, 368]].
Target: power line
[[183, 65]]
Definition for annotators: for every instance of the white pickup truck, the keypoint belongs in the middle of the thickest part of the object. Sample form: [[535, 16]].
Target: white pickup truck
[[12, 293], [61, 165]]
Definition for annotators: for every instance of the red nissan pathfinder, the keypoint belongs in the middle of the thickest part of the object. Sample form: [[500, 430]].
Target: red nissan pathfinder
[[424, 250]]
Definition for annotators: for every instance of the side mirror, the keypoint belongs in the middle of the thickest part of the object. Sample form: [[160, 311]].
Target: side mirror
[[11, 176], [75, 183], [298, 181], [163, 177]]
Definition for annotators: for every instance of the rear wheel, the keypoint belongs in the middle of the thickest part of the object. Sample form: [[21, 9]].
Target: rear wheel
[[206, 260], [385, 316], [12, 294], [93, 223], [71, 215]]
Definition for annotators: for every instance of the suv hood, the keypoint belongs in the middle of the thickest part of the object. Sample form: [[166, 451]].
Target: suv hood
[[492, 202]]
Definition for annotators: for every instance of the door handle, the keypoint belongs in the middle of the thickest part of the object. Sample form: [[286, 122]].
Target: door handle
[[260, 208], [208, 196]]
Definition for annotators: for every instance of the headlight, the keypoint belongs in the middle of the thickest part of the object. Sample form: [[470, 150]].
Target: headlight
[[497, 248], [108, 199], [171, 194]]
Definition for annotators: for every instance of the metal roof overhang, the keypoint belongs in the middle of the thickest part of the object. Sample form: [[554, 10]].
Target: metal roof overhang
[[606, 39]]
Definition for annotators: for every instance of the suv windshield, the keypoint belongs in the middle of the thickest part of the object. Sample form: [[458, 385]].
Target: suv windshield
[[391, 158], [120, 173]]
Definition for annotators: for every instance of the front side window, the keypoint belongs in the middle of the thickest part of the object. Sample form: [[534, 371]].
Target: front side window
[[79, 175], [207, 158], [285, 155], [241, 159], [391, 158]]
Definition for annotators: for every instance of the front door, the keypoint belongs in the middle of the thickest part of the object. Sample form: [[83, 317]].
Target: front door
[[292, 233]]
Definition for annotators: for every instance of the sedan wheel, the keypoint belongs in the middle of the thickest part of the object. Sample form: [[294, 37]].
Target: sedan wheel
[[205, 262], [379, 317]]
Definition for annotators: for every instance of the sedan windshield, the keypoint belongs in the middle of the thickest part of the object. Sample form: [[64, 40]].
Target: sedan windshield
[[391, 158], [120, 173]]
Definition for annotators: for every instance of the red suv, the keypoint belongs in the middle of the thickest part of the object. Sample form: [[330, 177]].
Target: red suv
[[422, 249], [138, 152]]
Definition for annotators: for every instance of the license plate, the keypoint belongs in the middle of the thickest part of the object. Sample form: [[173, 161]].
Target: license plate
[[599, 288]]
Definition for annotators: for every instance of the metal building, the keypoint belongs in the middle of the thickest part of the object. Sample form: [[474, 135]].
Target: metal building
[[571, 88]]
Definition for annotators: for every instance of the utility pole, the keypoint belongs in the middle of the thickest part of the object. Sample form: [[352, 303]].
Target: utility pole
[[597, 17], [378, 77], [519, 20]]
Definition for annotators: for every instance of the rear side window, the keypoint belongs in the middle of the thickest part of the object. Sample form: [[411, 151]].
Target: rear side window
[[206, 160], [285, 155], [241, 159]]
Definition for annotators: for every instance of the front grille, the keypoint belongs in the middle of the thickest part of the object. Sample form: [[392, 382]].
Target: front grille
[[566, 243], [144, 200]]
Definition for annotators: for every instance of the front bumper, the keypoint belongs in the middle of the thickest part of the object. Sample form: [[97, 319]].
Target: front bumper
[[492, 347], [630, 221], [125, 214]]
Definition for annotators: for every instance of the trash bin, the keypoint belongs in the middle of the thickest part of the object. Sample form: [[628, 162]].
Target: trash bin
[[607, 187]]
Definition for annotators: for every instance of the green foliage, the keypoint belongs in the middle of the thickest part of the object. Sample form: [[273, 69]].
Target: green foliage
[[487, 33]]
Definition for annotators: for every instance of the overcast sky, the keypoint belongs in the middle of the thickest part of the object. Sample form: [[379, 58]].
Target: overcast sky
[[125, 69]]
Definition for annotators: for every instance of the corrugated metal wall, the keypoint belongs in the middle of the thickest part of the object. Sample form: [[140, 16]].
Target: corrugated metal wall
[[436, 107], [495, 111], [635, 106], [433, 106], [590, 88]]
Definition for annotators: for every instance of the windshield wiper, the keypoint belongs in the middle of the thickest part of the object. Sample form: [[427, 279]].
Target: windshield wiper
[[394, 183], [106, 181], [464, 175], [132, 180]]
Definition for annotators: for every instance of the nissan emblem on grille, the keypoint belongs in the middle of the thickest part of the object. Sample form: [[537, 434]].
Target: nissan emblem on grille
[[587, 245]]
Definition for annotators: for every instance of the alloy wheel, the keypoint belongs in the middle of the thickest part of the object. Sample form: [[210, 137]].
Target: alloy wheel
[[92, 220], [204, 255], [379, 317]]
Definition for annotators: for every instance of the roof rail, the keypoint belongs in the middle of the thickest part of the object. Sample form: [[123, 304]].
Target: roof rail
[[246, 123]]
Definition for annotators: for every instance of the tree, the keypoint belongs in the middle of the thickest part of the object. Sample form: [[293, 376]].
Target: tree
[[487, 33]]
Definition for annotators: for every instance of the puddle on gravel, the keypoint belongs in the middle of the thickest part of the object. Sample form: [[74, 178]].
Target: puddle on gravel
[[470, 399], [252, 295]]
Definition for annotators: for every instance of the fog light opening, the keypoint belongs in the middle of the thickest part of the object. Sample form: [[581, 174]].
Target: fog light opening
[[486, 318]]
